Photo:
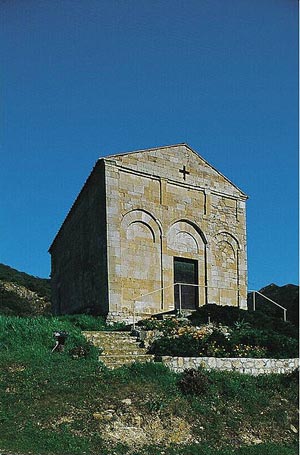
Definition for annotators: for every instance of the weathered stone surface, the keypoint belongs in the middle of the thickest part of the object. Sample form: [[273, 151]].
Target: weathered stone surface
[[136, 213], [135, 431], [126, 401], [293, 428], [242, 365]]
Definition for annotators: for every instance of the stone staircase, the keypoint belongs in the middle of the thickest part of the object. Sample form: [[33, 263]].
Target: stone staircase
[[118, 348]]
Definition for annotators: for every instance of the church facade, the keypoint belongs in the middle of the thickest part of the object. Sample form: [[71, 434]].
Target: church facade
[[151, 231]]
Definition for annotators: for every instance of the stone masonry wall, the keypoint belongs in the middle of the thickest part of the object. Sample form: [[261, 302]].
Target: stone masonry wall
[[156, 213], [241, 365], [137, 215], [78, 253]]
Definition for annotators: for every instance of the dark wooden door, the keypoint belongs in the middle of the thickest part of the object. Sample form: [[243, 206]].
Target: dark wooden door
[[186, 272]]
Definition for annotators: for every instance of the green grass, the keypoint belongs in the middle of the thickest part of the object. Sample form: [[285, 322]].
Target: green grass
[[203, 449], [48, 399]]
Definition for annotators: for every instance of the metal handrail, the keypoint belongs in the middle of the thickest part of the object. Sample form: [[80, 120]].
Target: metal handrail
[[152, 292], [270, 300], [201, 286], [183, 284], [180, 296]]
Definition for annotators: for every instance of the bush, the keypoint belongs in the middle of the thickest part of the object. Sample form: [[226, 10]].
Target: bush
[[194, 382], [79, 351], [245, 334], [275, 345], [167, 326], [220, 341], [218, 314], [217, 344], [231, 315], [183, 346], [244, 350], [292, 378]]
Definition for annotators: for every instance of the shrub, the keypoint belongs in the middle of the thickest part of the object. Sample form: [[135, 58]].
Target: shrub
[[231, 315], [218, 314], [243, 350], [79, 351], [238, 339], [275, 345], [167, 326], [292, 378], [210, 341], [185, 346], [194, 382], [191, 342]]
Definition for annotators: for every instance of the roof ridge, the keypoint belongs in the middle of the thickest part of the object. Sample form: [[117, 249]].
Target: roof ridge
[[145, 150], [172, 146]]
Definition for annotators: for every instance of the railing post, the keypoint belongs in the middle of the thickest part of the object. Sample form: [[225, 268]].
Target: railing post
[[133, 319], [272, 301], [179, 297], [254, 301]]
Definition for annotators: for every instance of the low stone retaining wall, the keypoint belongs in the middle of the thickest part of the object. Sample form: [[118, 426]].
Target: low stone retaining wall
[[241, 365]]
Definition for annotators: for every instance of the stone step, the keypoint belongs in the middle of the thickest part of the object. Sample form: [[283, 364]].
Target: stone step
[[117, 335], [111, 346], [109, 337], [114, 344], [112, 339], [116, 361], [122, 351], [118, 348]]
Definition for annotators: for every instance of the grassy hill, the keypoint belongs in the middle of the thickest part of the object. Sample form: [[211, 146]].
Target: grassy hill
[[69, 404], [287, 296], [22, 294], [65, 404]]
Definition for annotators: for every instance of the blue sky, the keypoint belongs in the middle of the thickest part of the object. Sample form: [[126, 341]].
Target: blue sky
[[83, 79]]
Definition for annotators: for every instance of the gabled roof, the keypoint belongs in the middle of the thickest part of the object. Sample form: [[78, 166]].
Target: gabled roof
[[149, 150], [124, 154]]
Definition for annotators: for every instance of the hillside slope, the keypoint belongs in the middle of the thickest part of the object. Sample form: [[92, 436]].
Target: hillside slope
[[286, 296], [62, 403], [22, 294]]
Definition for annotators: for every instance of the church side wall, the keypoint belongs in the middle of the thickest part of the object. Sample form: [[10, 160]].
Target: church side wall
[[78, 254]]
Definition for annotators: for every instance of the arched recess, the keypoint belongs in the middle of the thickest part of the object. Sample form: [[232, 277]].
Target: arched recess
[[225, 265], [226, 236], [186, 237], [144, 217], [141, 261], [187, 243]]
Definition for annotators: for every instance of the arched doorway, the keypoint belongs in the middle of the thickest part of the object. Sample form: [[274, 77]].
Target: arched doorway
[[187, 256]]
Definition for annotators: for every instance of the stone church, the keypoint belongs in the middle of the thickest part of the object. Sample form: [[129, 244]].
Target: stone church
[[151, 231]]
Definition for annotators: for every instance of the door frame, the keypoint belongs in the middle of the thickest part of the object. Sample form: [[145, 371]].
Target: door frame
[[196, 281]]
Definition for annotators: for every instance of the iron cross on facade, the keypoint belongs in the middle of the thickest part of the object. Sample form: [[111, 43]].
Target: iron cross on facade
[[184, 172]]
